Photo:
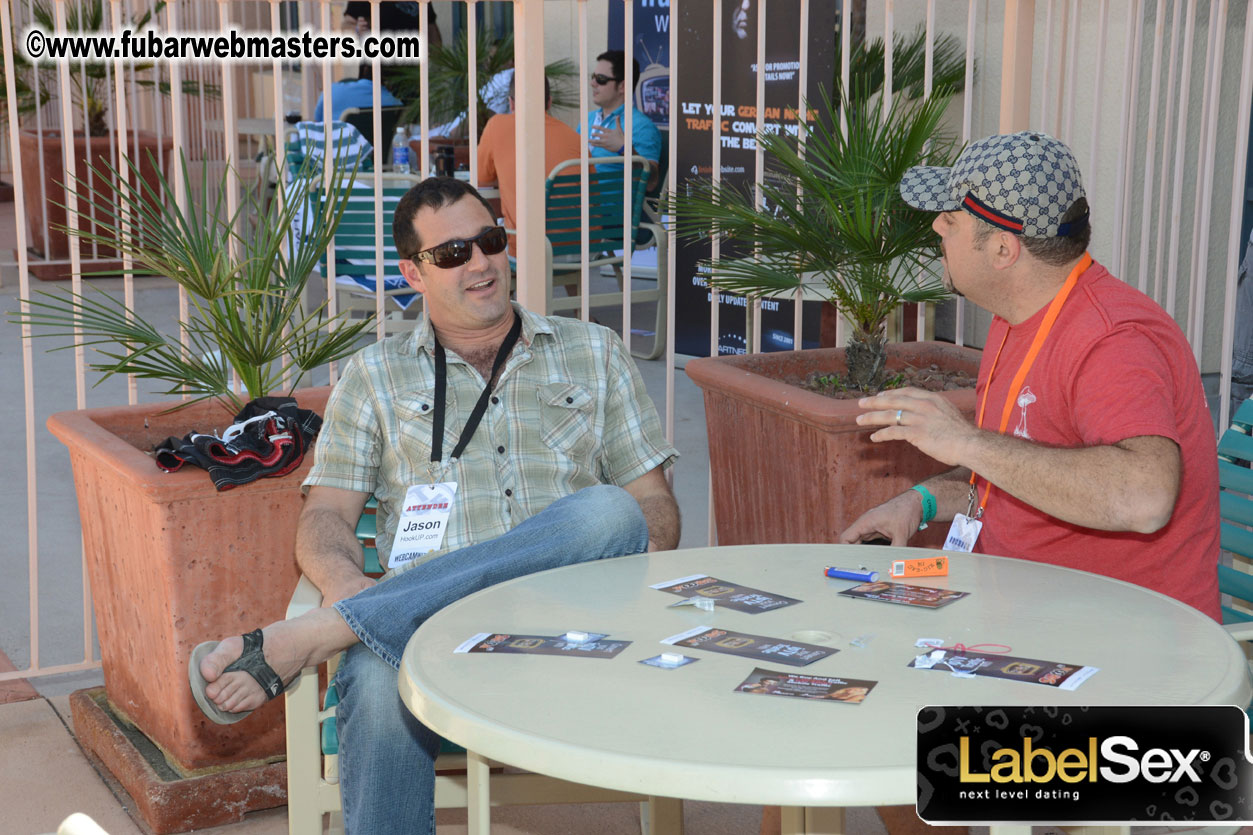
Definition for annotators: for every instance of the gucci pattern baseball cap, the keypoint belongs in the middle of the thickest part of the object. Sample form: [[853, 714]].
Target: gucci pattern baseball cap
[[1022, 182]]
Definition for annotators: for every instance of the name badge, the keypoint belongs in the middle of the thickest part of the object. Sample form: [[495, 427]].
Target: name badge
[[962, 534], [423, 522]]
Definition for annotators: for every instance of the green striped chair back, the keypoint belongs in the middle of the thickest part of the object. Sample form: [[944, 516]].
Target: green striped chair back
[[1235, 497], [355, 241], [562, 193]]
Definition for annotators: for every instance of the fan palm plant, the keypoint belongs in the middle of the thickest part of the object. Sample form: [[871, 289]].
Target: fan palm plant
[[449, 80], [90, 81], [245, 288], [832, 220], [909, 57]]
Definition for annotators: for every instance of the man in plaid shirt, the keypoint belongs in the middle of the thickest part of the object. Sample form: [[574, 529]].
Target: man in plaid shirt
[[498, 443]]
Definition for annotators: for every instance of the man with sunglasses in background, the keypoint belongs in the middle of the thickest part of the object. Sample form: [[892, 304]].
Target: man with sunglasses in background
[[606, 127], [498, 443]]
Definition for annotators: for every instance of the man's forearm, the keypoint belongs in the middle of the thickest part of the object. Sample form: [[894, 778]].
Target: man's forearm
[[329, 554], [1129, 486], [899, 518], [661, 513], [952, 492]]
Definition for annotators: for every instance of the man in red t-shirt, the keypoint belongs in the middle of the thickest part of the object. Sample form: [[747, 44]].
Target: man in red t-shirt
[[1093, 446]]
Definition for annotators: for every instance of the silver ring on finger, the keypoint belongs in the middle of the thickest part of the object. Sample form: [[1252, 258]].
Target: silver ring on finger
[[898, 417]]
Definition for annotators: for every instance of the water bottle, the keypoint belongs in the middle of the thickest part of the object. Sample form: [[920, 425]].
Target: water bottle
[[415, 165], [400, 151]]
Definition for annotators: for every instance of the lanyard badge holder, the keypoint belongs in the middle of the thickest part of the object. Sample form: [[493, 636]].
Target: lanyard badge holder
[[424, 519], [964, 531]]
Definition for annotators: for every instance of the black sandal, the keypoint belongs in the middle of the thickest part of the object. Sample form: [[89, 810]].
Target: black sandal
[[250, 661]]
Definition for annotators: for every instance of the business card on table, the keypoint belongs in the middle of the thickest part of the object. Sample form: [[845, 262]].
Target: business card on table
[[906, 595], [540, 645], [725, 594], [1028, 670], [798, 685], [778, 650]]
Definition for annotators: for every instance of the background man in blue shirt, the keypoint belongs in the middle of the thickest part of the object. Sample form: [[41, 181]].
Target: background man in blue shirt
[[606, 125]]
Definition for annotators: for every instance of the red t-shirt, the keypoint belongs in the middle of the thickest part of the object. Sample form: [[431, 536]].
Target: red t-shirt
[[1115, 366]]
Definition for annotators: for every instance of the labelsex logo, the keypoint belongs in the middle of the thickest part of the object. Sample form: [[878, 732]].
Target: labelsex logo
[[1072, 765]]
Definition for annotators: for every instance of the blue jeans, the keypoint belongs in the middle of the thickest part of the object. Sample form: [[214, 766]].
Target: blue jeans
[[386, 774]]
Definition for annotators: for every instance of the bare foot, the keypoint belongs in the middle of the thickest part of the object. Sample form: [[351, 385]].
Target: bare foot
[[288, 647], [237, 691]]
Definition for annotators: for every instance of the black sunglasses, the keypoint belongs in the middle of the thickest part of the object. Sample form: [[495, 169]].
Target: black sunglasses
[[602, 80], [455, 253]]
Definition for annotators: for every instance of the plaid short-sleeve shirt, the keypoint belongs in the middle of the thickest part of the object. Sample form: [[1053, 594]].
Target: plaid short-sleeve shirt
[[569, 411]]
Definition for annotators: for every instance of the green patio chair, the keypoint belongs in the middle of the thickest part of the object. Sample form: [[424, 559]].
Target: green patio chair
[[356, 261], [564, 244], [1235, 496]]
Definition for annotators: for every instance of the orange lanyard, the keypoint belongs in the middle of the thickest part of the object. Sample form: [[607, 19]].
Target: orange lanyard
[[1011, 396]]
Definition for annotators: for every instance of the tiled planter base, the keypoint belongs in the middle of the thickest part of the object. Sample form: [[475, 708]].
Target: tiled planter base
[[165, 801]]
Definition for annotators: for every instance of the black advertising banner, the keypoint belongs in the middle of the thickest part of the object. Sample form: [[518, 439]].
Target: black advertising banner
[[694, 119], [1097, 765]]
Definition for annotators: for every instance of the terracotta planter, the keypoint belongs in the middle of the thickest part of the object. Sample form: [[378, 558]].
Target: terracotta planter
[[789, 465], [173, 562], [55, 245]]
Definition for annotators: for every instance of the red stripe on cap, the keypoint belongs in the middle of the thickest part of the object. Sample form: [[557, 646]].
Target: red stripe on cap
[[991, 215]]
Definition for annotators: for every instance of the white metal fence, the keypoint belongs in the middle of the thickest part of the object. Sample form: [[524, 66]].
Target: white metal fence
[[1154, 98]]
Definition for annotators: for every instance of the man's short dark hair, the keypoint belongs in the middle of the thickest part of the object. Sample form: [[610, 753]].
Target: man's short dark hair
[[431, 193], [1056, 252], [513, 89], [1061, 251], [617, 59]]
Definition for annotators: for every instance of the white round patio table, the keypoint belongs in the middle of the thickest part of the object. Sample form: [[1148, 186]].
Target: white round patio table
[[686, 733]]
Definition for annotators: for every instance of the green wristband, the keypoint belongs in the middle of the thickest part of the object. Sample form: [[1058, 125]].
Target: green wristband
[[928, 505]]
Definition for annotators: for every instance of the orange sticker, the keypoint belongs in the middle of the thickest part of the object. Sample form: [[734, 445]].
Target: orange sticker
[[927, 567]]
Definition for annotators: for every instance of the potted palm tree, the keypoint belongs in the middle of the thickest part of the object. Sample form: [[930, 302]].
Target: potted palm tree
[[450, 76], [90, 87], [172, 560], [831, 221]]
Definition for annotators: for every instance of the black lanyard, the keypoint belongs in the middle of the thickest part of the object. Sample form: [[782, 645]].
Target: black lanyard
[[441, 394]]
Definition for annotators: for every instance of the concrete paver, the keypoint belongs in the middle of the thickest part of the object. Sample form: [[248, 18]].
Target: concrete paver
[[44, 777], [14, 691]]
